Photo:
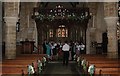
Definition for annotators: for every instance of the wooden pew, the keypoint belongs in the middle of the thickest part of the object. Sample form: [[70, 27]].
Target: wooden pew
[[106, 65], [106, 68], [103, 65], [14, 70], [19, 65], [109, 71]]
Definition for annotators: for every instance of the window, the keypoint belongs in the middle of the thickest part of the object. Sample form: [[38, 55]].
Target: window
[[51, 33], [118, 30], [62, 31], [18, 26], [118, 23], [119, 10]]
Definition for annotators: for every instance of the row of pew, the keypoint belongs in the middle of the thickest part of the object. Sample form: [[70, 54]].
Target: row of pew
[[95, 65], [23, 63]]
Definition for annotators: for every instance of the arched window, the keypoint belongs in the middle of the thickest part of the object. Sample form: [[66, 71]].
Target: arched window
[[51, 33], [118, 23], [62, 31]]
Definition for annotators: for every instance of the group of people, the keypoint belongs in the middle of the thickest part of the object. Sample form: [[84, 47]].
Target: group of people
[[65, 51]]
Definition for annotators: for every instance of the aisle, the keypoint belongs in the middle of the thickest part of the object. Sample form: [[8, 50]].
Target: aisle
[[56, 68]]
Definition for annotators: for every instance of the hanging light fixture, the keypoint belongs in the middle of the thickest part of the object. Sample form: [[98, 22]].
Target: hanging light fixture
[[59, 12]]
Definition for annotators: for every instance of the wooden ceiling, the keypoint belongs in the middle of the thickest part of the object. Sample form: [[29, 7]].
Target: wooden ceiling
[[48, 4]]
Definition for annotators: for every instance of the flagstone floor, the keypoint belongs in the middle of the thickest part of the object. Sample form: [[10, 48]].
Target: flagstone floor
[[55, 68]]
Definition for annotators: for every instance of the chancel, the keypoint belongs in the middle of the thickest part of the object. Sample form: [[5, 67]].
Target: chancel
[[60, 38], [52, 18]]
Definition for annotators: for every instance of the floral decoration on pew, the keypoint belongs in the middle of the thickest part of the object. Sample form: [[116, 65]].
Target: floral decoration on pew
[[44, 60], [91, 69], [84, 64], [39, 66], [79, 61], [75, 57], [30, 69]]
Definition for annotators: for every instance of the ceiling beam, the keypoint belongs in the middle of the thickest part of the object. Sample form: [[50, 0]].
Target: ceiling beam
[[74, 4], [44, 4]]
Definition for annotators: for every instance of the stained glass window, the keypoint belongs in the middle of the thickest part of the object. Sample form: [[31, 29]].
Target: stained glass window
[[62, 31], [118, 30], [118, 23], [119, 10], [51, 33], [59, 32], [18, 26]]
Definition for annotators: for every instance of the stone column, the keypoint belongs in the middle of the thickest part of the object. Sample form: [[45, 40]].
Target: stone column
[[88, 38], [11, 12], [111, 21], [112, 36], [88, 41], [10, 37], [0, 33]]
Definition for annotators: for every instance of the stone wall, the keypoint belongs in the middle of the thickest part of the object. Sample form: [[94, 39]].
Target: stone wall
[[101, 26], [27, 24]]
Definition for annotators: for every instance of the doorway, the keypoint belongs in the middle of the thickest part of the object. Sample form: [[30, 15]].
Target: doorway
[[104, 42]]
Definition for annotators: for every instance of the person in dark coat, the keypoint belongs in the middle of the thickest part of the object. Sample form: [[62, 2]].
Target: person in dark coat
[[44, 47]]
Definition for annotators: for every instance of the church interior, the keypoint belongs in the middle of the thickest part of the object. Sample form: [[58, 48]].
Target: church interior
[[26, 26]]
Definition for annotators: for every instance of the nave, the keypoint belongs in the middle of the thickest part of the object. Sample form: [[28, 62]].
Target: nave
[[103, 66], [18, 66]]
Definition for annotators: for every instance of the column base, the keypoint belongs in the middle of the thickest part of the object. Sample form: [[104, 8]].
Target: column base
[[112, 55], [10, 57]]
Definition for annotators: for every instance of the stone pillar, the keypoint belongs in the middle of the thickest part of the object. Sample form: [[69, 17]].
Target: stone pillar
[[88, 41], [90, 37], [112, 36], [11, 12], [0, 33], [10, 37], [111, 21]]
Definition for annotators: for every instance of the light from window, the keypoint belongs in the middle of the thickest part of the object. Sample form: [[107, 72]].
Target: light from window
[[51, 33], [62, 31]]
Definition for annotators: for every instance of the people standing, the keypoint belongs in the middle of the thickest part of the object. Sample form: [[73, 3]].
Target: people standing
[[60, 53], [82, 48], [52, 48], [65, 50], [48, 51], [72, 50], [78, 49], [54, 51], [44, 47]]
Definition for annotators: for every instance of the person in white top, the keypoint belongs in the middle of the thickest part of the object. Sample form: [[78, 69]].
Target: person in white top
[[82, 47], [65, 50], [78, 49]]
